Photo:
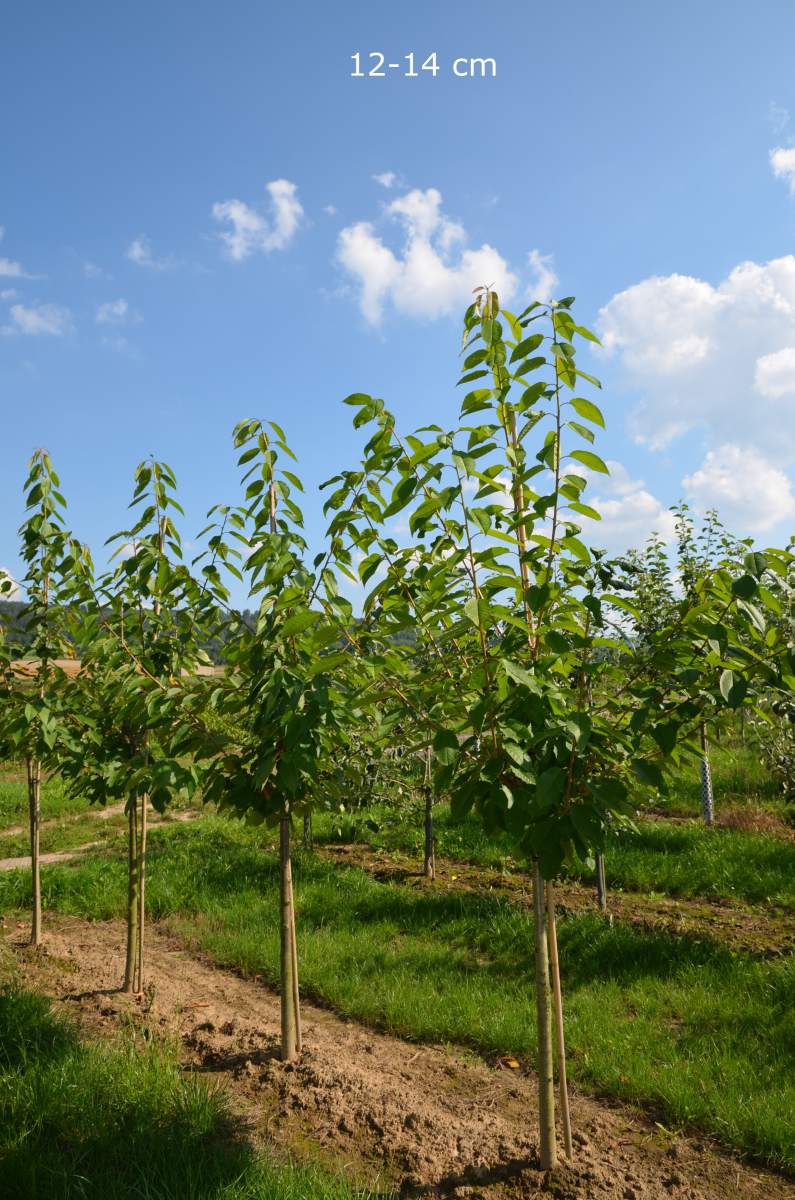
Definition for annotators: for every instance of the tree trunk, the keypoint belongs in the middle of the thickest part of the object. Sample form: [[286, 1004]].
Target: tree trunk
[[548, 1150], [707, 798], [307, 840], [601, 886], [34, 807], [552, 932], [141, 895], [132, 898], [429, 861], [291, 1033]]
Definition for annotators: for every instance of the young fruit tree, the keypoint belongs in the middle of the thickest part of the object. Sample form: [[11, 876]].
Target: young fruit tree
[[31, 714], [534, 720], [137, 628], [288, 694]]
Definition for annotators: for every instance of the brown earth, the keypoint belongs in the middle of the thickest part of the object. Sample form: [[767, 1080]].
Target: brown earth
[[427, 1118], [768, 932]]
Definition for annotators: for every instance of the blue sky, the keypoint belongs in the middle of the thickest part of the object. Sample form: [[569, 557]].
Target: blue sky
[[194, 233]]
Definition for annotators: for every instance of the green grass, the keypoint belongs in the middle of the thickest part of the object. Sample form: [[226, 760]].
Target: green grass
[[117, 1121], [691, 860], [738, 779], [682, 859], [704, 1036], [55, 802]]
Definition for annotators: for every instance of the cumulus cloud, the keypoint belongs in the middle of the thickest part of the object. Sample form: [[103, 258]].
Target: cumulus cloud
[[706, 356], [432, 273], [139, 251], [544, 279], [113, 312], [387, 179], [750, 493], [782, 160], [630, 512], [252, 231], [8, 294], [37, 319]]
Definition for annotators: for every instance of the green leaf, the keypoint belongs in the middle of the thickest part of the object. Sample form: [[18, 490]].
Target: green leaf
[[445, 746], [733, 688], [589, 459], [744, 587], [587, 410], [299, 621]]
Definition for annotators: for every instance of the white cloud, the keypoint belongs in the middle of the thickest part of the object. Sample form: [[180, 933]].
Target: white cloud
[[139, 251], [113, 312], [92, 271], [782, 160], [630, 512], [750, 493], [704, 356], [330, 210], [387, 179], [39, 319], [9, 294], [433, 273], [775, 373], [544, 279], [252, 232]]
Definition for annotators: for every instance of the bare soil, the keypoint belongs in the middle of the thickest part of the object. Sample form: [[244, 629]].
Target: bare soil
[[768, 932], [433, 1121]]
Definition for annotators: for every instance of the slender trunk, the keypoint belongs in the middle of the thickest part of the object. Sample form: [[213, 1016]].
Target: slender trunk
[[288, 955], [299, 1037], [554, 965], [34, 807], [141, 895], [429, 862], [132, 898], [548, 1149], [601, 886], [707, 798], [307, 840]]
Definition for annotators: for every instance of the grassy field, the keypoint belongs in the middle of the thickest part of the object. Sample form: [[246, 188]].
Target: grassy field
[[105, 1121], [702, 1035], [682, 858], [55, 802]]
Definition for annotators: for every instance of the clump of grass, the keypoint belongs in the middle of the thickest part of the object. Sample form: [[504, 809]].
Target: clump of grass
[[704, 1035], [113, 1121]]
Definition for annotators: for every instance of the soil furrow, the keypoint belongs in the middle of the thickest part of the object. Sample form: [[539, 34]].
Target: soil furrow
[[430, 1119]]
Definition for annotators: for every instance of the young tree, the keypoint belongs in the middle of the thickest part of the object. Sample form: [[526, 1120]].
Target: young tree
[[538, 727], [138, 631], [31, 712], [287, 695]]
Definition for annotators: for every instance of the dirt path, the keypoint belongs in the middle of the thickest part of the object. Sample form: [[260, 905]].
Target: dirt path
[[768, 931], [22, 862], [100, 814], [57, 856], [436, 1122]]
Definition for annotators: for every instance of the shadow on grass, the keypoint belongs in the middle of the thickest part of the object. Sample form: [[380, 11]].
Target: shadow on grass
[[112, 1121]]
